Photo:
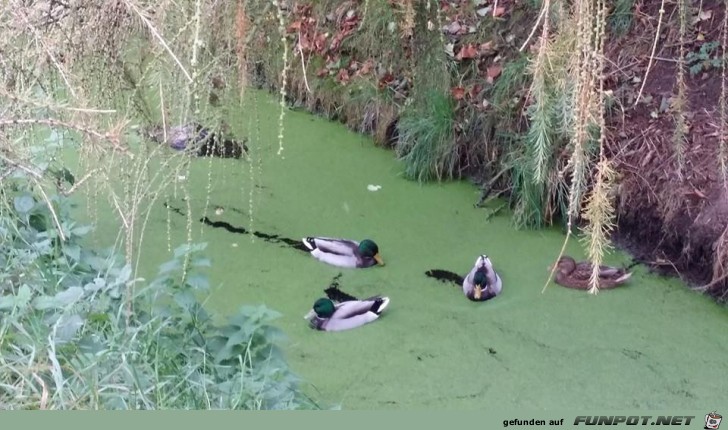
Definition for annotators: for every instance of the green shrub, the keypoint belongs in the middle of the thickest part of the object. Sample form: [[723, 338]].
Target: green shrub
[[70, 342]]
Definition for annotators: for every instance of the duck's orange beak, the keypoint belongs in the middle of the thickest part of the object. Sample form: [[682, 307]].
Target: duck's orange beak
[[379, 260], [478, 292]]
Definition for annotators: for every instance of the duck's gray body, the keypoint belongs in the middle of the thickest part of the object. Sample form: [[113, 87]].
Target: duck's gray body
[[348, 315], [196, 138], [493, 286], [339, 252]]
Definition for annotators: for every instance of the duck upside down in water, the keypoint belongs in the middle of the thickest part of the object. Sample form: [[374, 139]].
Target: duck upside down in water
[[344, 252], [327, 315], [201, 140], [575, 275], [483, 282]]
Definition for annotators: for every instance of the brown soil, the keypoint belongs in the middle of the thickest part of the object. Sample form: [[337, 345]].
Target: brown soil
[[670, 218]]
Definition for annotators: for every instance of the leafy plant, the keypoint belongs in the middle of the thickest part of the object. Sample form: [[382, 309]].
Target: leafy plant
[[78, 332], [704, 59]]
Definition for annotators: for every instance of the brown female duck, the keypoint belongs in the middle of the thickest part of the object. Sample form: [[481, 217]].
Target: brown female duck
[[575, 275]]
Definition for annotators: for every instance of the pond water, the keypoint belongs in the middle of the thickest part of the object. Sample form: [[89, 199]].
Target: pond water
[[652, 344]]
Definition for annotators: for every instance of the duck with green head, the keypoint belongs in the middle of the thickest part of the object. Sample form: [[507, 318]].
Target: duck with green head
[[483, 282], [328, 315], [344, 252]]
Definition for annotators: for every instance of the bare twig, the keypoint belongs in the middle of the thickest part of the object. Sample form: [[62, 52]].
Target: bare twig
[[652, 55], [50, 208], [156, 34], [303, 63], [535, 27]]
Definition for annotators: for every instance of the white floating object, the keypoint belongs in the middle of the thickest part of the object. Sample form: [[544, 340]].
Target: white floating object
[[181, 178], [371, 187], [234, 245]]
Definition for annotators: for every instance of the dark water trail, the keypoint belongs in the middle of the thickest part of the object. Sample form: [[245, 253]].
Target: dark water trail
[[445, 276], [334, 293], [271, 238]]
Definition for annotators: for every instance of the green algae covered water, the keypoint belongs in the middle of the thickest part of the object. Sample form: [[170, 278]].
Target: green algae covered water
[[652, 344]]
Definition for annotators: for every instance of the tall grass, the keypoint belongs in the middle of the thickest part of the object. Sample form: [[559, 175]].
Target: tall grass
[[426, 141]]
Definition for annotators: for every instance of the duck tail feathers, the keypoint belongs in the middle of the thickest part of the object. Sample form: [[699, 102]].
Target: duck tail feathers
[[624, 277], [309, 242]]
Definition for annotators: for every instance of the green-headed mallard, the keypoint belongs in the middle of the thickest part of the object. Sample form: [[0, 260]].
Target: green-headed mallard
[[344, 252], [483, 282], [328, 315], [575, 275]]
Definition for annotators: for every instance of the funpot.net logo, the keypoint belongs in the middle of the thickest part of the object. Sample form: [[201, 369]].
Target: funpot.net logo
[[712, 420]]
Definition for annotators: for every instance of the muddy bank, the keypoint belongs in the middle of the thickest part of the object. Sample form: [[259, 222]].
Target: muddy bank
[[671, 215]]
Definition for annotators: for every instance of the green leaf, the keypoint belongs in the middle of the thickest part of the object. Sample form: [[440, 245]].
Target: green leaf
[[96, 285], [82, 230], [170, 266], [185, 299], [69, 296], [68, 327], [201, 262], [198, 281], [24, 296], [43, 303], [72, 251], [24, 203], [7, 302]]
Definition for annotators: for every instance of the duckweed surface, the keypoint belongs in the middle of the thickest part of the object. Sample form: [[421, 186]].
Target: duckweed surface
[[652, 344]]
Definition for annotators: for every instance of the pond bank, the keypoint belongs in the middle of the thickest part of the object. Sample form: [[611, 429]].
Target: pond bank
[[361, 66], [432, 348]]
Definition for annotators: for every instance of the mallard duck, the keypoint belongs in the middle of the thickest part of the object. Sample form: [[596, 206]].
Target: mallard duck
[[483, 282], [571, 274], [344, 252], [328, 315], [201, 139]]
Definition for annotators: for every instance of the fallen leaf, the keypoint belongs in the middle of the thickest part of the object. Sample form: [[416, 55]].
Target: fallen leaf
[[323, 72], [458, 93], [705, 15], [500, 10], [453, 28], [295, 26], [484, 47], [366, 67], [494, 71], [343, 76], [385, 80], [484, 11], [467, 51], [475, 91]]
